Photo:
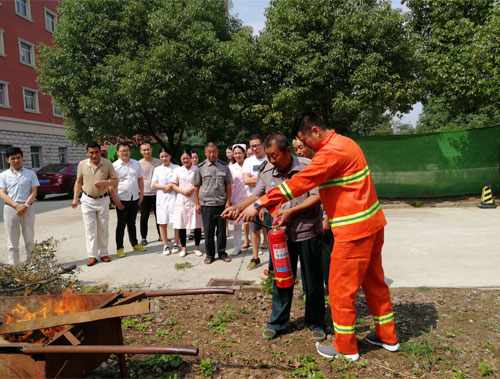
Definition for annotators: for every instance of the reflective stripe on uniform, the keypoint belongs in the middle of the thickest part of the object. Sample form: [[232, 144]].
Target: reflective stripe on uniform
[[356, 217], [380, 320], [346, 179], [342, 329], [285, 190]]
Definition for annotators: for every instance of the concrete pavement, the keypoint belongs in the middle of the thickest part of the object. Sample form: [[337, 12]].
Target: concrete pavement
[[433, 247]]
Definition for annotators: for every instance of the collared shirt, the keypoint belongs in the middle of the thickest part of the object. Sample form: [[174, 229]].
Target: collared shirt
[[149, 168], [309, 223], [128, 179], [18, 186], [90, 176], [212, 178]]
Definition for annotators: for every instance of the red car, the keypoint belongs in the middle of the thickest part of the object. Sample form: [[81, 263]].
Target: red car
[[56, 178]]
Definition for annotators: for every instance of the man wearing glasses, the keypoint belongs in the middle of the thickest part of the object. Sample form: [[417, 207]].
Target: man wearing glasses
[[250, 172]]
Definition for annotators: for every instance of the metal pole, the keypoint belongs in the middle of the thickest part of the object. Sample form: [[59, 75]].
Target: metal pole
[[109, 349], [194, 291]]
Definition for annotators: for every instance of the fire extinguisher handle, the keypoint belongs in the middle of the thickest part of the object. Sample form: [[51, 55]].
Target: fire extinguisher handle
[[277, 221]]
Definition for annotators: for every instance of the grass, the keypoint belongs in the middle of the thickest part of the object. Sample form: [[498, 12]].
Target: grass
[[181, 266], [421, 351], [219, 322], [129, 322], [267, 283], [207, 367], [486, 369], [99, 288], [161, 361]]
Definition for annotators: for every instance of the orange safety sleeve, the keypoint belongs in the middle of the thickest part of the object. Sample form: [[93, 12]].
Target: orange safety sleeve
[[316, 172]]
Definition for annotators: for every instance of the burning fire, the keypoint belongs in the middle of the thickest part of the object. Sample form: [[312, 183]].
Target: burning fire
[[67, 303]]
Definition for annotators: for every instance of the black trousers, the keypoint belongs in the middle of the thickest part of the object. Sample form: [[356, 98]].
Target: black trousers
[[310, 254], [148, 204], [327, 251], [126, 218], [212, 223], [197, 237]]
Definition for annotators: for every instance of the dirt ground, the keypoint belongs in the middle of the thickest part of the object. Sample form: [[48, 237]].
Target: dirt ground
[[445, 333]]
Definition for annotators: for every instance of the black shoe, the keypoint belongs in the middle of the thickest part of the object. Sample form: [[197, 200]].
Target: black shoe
[[374, 340], [144, 242]]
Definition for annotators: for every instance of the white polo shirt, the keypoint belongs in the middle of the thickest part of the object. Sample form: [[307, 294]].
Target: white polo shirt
[[18, 185], [128, 175]]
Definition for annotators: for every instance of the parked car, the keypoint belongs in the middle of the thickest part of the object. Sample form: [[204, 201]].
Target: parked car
[[56, 178]]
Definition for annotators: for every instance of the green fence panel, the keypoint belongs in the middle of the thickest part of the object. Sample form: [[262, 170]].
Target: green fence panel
[[433, 164]]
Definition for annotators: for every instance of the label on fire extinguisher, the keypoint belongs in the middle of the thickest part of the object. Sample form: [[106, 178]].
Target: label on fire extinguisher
[[280, 256]]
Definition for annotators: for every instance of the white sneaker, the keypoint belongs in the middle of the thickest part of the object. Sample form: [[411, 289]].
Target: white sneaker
[[166, 250], [261, 252], [198, 253], [175, 249], [183, 253]]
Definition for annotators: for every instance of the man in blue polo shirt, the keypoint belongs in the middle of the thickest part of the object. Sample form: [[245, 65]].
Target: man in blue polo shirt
[[18, 187]]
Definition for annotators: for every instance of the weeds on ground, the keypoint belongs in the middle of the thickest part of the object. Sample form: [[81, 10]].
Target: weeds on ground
[[129, 322], [306, 367], [219, 322], [162, 363], [207, 367], [416, 204], [486, 369], [267, 283], [181, 266], [420, 351], [98, 288]]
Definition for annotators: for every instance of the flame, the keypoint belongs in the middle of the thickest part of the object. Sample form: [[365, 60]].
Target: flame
[[67, 303]]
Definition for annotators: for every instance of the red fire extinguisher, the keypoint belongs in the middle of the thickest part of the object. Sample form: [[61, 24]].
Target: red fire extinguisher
[[281, 258]]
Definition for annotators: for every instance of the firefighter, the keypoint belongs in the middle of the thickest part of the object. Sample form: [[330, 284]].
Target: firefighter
[[346, 189]]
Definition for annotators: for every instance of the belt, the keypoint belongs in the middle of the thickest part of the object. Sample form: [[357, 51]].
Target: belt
[[96, 197]]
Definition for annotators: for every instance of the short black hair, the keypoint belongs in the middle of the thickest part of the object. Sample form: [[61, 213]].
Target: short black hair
[[122, 144], [305, 121], [210, 144], [256, 136], [13, 151], [277, 139], [92, 145], [163, 150]]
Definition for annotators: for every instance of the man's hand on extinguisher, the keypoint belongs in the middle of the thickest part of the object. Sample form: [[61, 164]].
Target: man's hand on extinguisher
[[248, 214], [231, 212], [286, 216]]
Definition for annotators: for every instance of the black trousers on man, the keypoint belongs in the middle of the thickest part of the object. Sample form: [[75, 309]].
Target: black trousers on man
[[126, 218], [309, 252], [148, 204], [211, 222]]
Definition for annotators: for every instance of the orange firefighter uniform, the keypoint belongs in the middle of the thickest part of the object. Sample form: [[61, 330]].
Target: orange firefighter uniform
[[340, 171]]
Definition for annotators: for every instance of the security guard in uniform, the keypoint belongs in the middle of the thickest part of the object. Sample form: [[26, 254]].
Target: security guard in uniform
[[212, 194]]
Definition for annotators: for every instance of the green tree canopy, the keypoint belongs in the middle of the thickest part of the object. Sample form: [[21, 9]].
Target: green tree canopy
[[127, 68], [459, 44], [341, 58]]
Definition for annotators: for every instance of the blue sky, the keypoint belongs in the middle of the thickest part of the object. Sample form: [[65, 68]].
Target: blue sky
[[252, 13]]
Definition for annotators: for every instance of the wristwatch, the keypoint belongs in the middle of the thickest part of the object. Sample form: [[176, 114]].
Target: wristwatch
[[257, 206]]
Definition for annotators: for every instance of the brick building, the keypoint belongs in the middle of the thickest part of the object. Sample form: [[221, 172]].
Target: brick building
[[29, 119]]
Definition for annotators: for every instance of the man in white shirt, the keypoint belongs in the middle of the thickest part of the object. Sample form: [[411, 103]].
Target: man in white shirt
[[127, 197], [250, 172], [18, 187], [148, 164]]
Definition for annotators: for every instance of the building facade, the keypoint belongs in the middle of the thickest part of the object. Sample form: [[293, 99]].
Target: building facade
[[28, 118]]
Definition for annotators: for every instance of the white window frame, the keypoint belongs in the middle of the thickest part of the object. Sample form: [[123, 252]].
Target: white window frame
[[40, 156], [6, 95], [62, 151], [3, 154], [37, 105], [55, 111], [27, 16], [2, 45], [54, 15], [32, 52]]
